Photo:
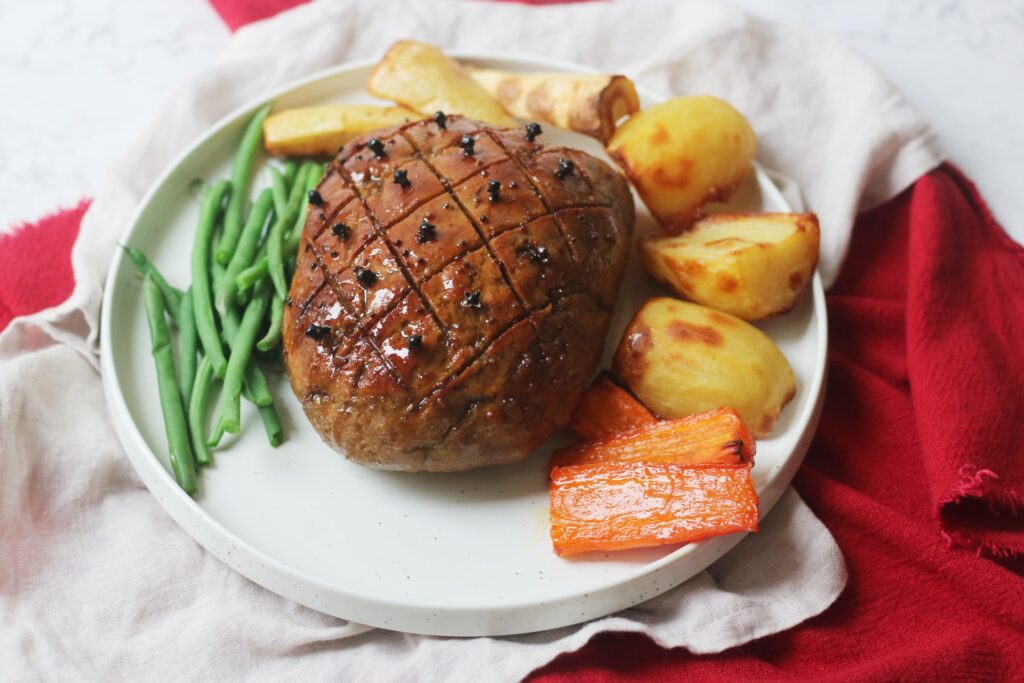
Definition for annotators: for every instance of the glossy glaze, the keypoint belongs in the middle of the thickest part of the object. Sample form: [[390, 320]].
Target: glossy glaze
[[466, 304], [616, 506]]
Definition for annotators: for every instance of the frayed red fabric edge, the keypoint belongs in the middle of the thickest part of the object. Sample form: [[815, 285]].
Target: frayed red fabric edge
[[35, 262], [981, 484]]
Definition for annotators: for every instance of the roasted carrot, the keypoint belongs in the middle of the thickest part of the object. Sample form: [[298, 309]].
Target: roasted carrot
[[715, 437], [614, 506], [606, 409]]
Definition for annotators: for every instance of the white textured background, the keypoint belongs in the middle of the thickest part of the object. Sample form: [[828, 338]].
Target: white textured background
[[78, 78]]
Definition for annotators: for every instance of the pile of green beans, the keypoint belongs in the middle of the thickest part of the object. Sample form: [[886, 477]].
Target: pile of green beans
[[241, 262]]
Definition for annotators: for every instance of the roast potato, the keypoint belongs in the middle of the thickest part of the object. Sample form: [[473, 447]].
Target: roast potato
[[682, 154], [320, 131], [750, 265], [681, 358], [425, 79], [587, 104]]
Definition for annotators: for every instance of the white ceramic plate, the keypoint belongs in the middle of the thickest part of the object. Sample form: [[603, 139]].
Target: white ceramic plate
[[450, 554]]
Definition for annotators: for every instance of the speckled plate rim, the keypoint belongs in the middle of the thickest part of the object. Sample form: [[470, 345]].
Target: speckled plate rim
[[416, 616]]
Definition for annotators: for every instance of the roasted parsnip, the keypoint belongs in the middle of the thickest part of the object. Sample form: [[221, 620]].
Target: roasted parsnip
[[584, 103], [320, 131], [423, 78]]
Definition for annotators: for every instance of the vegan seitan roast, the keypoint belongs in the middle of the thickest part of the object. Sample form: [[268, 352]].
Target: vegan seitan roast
[[452, 292]]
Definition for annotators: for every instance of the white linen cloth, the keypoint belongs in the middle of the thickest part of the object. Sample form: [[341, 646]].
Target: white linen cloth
[[97, 582]]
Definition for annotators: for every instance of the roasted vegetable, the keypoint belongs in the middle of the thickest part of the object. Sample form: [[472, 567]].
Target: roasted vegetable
[[750, 265], [716, 437], [680, 359], [320, 131], [182, 460], [241, 177], [682, 154], [202, 286], [587, 104], [172, 295], [614, 506], [425, 79], [606, 409]]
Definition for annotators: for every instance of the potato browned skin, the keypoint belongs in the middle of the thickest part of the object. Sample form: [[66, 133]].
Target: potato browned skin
[[750, 265], [682, 154], [474, 337], [681, 359]]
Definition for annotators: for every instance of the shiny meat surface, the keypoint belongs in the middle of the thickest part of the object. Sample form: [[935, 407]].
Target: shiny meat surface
[[452, 293]]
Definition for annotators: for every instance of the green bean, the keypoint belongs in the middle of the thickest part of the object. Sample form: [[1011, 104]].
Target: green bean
[[275, 239], [273, 335], [170, 399], [197, 411], [241, 354], [268, 414], [279, 187], [202, 297], [216, 275], [245, 251], [172, 295], [290, 168], [314, 174], [187, 345], [256, 388], [240, 178], [253, 274], [272, 425], [296, 188], [294, 237], [218, 433]]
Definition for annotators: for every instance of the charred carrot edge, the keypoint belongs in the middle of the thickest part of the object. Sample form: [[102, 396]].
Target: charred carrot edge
[[622, 505], [719, 436], [606, 409]]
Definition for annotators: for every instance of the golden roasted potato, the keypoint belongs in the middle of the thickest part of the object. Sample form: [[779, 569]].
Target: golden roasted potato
[[318, 131], [682, 154], [587, 104], [681, 359], [425, 79], [750, 265]]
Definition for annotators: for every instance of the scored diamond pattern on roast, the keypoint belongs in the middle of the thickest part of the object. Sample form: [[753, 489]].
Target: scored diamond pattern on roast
[[429, 138], [516, 201], [336, 195], [537, 258], [455, 165], [565, 189], [369, 286], [430, 311], [425, 364], [389, 201], [349, 230], [366, 165], [433, 236], [473, 300]]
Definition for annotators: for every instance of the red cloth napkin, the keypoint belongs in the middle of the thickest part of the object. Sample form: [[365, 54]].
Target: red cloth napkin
[[35, 263], [915, 464]]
